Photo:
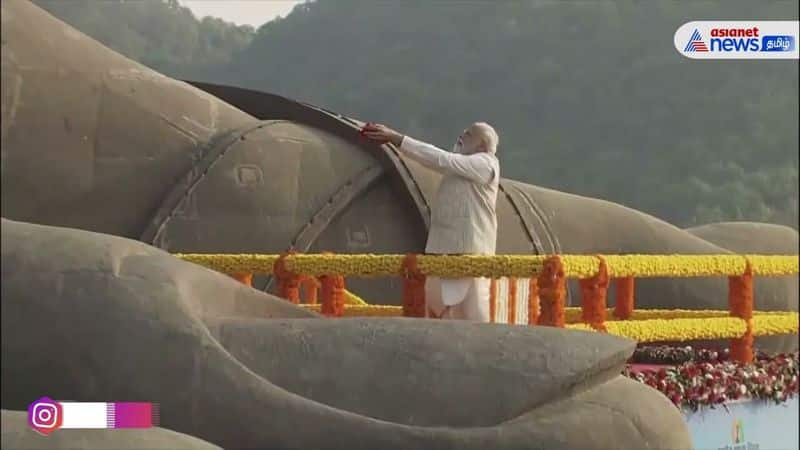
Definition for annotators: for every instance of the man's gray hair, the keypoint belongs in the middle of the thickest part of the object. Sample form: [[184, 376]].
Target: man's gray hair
[[490, 136]]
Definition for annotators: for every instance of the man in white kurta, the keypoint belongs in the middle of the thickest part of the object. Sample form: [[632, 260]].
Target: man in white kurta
[[463, 216]]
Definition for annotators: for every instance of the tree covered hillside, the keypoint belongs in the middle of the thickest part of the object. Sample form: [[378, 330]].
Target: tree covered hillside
[[161, 34], [588, 97]]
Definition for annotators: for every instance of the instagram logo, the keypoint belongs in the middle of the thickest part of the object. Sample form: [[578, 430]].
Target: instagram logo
[[45, 415]]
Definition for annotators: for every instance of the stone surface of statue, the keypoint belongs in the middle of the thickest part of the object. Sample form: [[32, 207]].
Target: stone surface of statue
[[93, 317]]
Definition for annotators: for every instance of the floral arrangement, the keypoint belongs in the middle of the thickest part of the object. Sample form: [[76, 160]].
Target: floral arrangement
[[573, 313], [665, 354], [240, 263], [363, 310], [717, 326], [660, 330], [520, 266], [710, 378], [641, 266]]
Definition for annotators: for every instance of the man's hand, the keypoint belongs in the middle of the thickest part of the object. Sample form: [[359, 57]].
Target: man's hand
[[382, 133]]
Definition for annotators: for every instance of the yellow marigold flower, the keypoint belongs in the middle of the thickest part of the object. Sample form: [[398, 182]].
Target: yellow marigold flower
[[775, 324], [774, 265], [573, 314], [580, 266], [580, 326], [242, 263], [364, 310], [498, 266], [656, 330], [647, 314], [643, 266], [353, 299], [519, 266], [347, 265], [649, 330]]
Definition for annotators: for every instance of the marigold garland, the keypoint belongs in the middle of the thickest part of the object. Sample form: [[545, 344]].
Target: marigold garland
[[552, 293], [488, 266], [593, 298], [414, 303], [498, 266], [533, 301], [660, 330], [235, 263], [310, 287], [625, 288], [493, 300], [740, 294], [512, 301], [687, 329], [288, 281], [353, 299], [332, 295], [573, 314], [775, 324], [548, 283], [774, 264], [363, 311], [740, 300]]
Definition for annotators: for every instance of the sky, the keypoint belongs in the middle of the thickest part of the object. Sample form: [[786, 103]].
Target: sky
[[241, 12]]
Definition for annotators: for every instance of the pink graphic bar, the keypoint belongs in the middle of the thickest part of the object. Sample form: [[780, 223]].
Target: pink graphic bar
[[132, 415]]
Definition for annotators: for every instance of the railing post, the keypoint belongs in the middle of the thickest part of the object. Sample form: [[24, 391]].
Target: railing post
[[493, 300], [552, 292], [594, 297], [512, 300], [244, 278], [310, 287], [624, 302], [533, 301], [414, 303], [332, 295], [288, 282], [740, 300]]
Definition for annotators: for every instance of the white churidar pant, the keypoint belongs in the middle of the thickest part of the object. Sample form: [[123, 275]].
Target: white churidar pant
[[467, 298]]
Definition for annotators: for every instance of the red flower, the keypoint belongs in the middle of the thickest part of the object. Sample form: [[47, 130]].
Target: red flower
[[708, 378]]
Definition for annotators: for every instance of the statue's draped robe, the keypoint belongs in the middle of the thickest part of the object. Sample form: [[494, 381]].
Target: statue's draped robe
[[463, 220]]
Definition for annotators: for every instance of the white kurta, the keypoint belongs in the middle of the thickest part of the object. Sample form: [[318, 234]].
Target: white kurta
[[463, 221]]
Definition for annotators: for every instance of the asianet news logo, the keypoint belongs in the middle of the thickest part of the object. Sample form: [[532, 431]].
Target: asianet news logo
[[738, 40]]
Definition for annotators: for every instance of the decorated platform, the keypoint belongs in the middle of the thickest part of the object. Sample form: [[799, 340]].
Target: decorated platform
[[727, 405], [732, 398]]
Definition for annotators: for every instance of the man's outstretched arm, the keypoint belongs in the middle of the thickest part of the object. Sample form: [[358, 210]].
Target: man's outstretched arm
[[473, 167]]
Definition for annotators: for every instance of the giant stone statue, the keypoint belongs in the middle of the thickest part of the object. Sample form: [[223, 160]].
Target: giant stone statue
[[99, 152], [94, 317], [93, 140]]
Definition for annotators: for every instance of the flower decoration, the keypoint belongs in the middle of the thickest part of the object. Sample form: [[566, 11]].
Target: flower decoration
[[713, 379], [498, 266]]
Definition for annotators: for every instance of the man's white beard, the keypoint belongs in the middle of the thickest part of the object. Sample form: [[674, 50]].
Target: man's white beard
[[457, 147]]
